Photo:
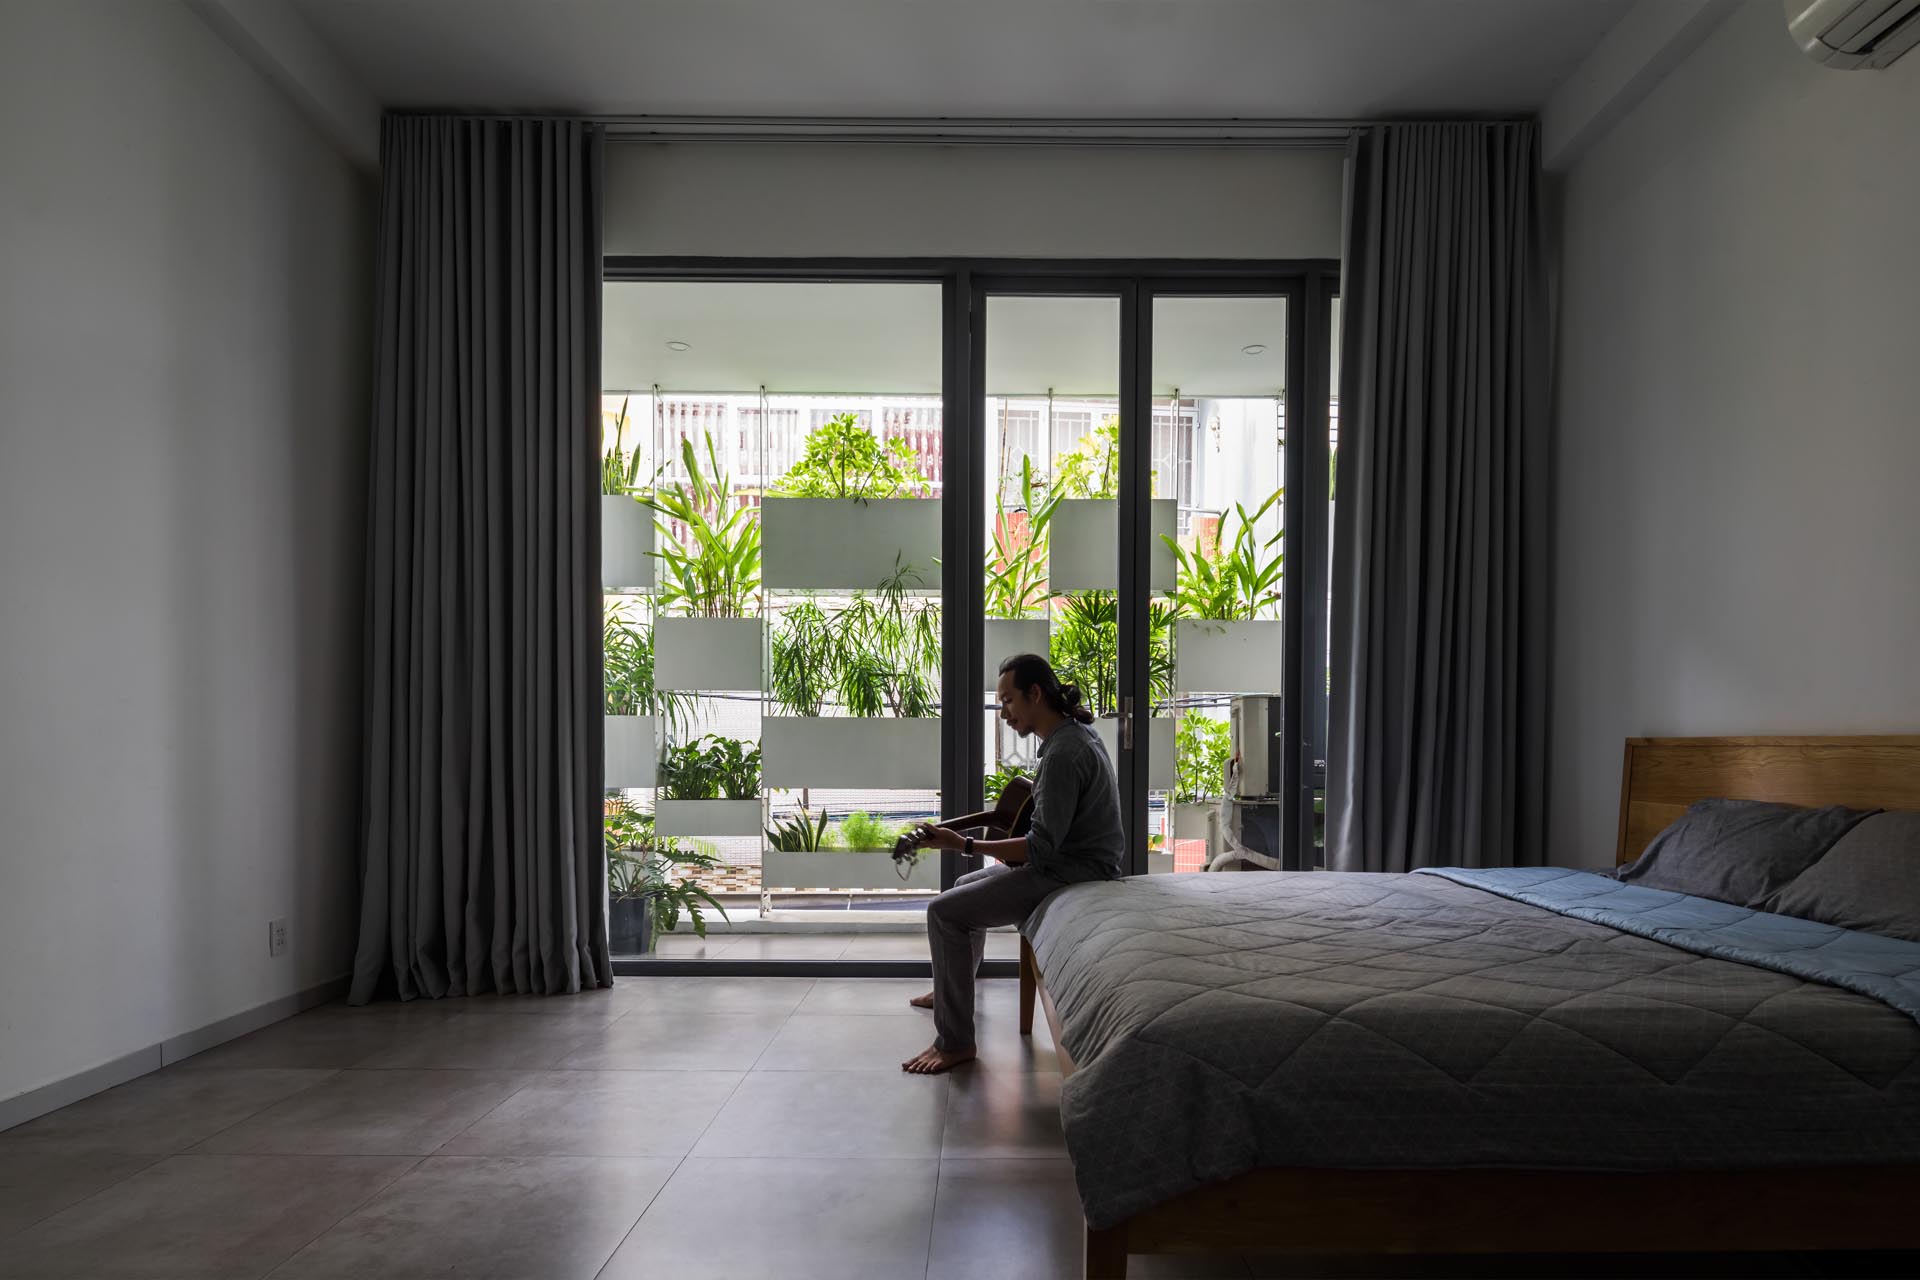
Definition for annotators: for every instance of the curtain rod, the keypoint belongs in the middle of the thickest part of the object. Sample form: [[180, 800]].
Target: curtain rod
[[983, 131]]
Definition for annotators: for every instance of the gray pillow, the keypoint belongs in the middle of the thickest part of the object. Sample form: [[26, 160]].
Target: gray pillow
[[1869, 880], [1739, 851]]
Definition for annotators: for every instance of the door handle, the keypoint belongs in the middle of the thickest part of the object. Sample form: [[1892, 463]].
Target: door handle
[[1126, 724]]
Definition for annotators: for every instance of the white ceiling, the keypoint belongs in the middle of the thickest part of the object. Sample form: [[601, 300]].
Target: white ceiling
[[1326, 59], [800, 338]]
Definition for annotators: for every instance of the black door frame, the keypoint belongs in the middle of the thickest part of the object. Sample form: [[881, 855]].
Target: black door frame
[[964, 283]]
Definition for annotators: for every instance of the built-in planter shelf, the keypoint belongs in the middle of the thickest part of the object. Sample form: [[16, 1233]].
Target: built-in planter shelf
[[712, 818], [1191, 821], [707, 653], [1083, 545], [875, 753], [1212, 656], [632, 750], [626, 544], [838, 869], [1160, 775], [1006, 637], [828, 544], [1159, 862]]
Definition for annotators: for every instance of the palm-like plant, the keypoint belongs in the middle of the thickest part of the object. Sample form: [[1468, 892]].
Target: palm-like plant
[[806, 648], [1236, 582], [715, 572], [1017, 570], [1084, 647]]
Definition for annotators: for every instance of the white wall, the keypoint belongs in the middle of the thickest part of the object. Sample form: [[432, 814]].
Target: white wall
[[185, 282], [1739, 391], [907, 200]]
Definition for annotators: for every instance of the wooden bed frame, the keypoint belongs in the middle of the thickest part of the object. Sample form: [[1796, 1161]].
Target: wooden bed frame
[[1486, 1211]]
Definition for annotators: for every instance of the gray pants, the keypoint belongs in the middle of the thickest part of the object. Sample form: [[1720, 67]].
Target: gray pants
[[956, 920]]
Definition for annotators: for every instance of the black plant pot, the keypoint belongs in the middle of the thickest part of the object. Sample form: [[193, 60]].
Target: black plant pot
[[630, 926]]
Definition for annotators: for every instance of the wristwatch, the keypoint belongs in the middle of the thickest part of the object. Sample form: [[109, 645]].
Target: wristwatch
[[969, 848]]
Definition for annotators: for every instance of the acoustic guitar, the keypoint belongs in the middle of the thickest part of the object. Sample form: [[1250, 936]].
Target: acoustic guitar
[[1010, 816]]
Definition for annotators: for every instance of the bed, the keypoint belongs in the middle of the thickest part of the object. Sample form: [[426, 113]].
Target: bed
[[1276, 1063]]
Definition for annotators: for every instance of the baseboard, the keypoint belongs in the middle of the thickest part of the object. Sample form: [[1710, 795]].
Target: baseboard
[[34, 1103]]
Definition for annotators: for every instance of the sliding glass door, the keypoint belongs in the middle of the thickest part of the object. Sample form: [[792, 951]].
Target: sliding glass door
[[839, 496], [1137, 457]]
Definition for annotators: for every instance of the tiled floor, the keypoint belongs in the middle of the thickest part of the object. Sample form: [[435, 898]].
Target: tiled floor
[[671, 1127]]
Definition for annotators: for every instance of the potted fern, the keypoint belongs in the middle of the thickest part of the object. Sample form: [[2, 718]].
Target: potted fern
[[648, 890], [626, 531], [1228, 639]]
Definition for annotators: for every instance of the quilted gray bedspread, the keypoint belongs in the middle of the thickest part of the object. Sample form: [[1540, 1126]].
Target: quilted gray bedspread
[[1225, 1022]]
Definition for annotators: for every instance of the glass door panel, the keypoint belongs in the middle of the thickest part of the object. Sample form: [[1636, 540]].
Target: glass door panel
[[1050, 423], [1217, 649], [784, 439]]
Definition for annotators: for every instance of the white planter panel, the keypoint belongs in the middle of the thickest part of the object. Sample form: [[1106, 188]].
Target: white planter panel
[[1006, 637], [839, 869], [877, 753], [626, 544], [1082, 550], [817, 544], [633, 751], [708, 818], [706, 653], [1191, 821], [1159, 863], [1160, 775], [1226, 657]]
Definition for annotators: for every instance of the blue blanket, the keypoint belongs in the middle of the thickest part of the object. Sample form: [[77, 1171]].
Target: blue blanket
[[1887, 969]]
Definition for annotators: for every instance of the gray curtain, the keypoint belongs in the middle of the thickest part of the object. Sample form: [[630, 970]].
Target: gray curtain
[[1437, 723], [481, 862]]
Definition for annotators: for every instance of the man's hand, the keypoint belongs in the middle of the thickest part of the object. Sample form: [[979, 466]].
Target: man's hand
[[929, 836]]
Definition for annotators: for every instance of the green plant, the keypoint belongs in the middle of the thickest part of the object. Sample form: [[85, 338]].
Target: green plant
[[1232, 583], [619, 466], [888, 650], [710, 767], [806, 652], [1201, 747], [1091, 469], [842, 459], [799, 833], [996, 781], [1016, 582], [879, 654], [862, 831], [1084, 647], [627, 673], [715, 573], [641, 864]]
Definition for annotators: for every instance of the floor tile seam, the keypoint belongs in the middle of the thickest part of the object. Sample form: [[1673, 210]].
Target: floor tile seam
[[633, 1226], [357, 1206], [151, 1161], [197, 1147]]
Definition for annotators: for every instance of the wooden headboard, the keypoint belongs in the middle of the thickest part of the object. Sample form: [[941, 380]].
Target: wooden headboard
[[1664, 775]]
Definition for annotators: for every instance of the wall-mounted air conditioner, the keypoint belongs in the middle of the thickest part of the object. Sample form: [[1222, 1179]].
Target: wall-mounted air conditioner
[[1854, 35]]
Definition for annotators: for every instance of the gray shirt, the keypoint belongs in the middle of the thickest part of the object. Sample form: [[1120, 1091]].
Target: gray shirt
[[1075, 834]]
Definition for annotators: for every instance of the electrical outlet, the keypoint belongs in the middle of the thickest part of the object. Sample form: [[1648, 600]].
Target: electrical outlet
[[277, 937]]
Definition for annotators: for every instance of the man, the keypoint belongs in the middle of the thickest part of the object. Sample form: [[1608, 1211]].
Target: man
[[1075, 836]]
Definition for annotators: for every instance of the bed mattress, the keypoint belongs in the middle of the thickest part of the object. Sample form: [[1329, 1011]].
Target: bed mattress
[[1221, 1023]]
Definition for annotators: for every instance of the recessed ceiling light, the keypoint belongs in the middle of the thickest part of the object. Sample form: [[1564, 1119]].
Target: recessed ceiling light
[[677, 345], [1254, 349]]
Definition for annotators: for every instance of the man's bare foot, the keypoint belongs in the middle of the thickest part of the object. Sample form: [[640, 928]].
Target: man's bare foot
[[922, 1002], [934, 1061]]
